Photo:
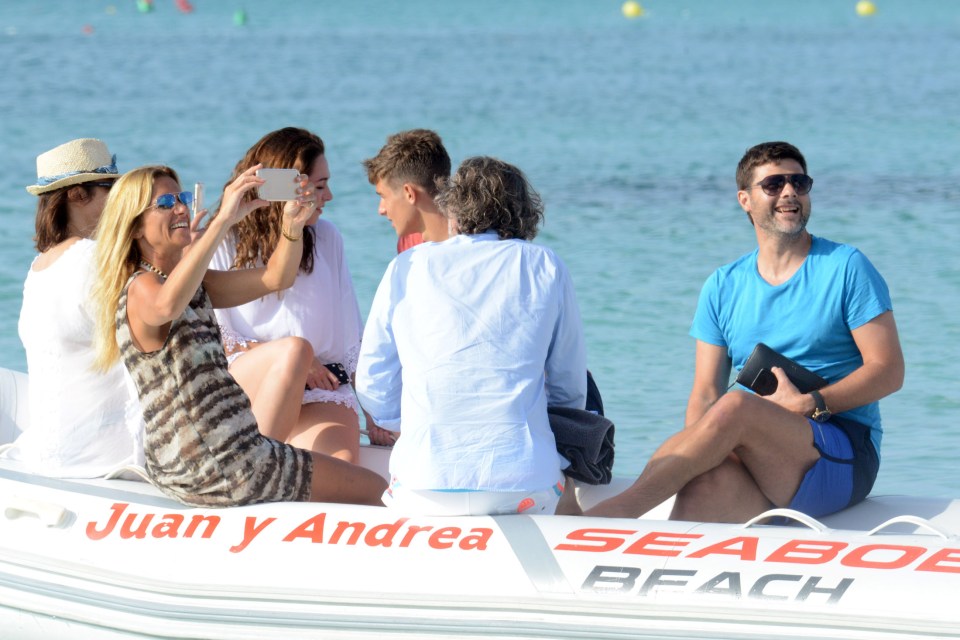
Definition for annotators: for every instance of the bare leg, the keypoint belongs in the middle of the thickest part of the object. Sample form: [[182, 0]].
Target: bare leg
[[273, 375], [328, 428], [726, 493], [774, 445], [338, 481]]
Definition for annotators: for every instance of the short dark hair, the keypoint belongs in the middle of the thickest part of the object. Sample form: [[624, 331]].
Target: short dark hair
[[486, 194], [416, 156], [764, 153]]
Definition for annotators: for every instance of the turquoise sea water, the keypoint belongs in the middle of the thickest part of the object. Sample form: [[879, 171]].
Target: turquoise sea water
[[630, 129]]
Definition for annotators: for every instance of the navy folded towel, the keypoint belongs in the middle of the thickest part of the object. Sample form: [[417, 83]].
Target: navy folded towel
[[586, 440]]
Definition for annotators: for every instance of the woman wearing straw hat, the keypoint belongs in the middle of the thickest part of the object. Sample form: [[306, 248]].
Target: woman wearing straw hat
[[83, 424], [155, 302]]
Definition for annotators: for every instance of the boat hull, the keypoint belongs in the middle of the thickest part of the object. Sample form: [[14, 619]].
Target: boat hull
[[115, 558]]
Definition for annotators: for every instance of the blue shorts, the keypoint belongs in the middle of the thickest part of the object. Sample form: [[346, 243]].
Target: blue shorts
[[845, 472]]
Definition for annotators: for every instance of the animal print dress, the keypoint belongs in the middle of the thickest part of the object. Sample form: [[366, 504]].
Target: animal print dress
[[202, 445]]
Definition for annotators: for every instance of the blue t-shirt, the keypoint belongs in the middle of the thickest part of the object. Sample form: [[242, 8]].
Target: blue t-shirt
[[807, 318]]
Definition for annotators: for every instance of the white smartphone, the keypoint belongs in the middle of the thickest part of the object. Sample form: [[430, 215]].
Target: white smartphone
[[280, 185], [197, 198]]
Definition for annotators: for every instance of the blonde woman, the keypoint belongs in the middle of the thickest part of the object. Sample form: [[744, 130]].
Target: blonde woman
[[155, 312]]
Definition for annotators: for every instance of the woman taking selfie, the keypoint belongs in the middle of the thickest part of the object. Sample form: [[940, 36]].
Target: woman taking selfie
[[155, 312]]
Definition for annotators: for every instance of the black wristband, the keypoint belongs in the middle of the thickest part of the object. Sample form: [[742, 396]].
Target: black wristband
[[821, 413]]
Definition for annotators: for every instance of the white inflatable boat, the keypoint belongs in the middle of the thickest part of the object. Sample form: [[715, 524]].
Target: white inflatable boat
[[116, 559]]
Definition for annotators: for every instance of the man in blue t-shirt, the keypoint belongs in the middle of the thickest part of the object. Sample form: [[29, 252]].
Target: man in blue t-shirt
[[820, 303]]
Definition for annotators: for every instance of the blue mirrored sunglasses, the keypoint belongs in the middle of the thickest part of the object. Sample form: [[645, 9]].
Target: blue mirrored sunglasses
[[169, 200]]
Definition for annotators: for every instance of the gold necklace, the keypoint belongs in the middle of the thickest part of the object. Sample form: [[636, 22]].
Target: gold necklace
[[149, 267]]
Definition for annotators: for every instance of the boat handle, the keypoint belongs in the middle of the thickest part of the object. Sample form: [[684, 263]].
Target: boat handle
[[922, 523], [50, 514], [802, 518]]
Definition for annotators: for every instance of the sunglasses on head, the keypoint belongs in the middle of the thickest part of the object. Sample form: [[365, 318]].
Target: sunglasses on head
[[773, 185], [169, 200]]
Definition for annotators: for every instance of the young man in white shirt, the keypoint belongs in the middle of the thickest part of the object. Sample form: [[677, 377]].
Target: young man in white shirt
[[472, 338]]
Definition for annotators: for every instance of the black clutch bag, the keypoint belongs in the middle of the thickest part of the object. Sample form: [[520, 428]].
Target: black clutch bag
[[757, 376]]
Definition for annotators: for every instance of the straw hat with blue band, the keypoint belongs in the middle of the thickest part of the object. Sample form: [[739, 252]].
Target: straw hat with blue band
[[74, 162]]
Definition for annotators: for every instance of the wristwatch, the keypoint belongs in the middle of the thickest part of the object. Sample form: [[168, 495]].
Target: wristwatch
[[821, 413]]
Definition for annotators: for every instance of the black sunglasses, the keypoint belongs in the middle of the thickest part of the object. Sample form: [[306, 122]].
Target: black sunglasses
[[105, 185], [773, 185], [169, 200]]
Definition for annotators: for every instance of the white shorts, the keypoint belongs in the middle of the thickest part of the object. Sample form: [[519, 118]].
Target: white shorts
[[473, 503]]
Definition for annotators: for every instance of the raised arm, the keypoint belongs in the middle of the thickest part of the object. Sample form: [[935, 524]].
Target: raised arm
[[155, 301], [239, 286]]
